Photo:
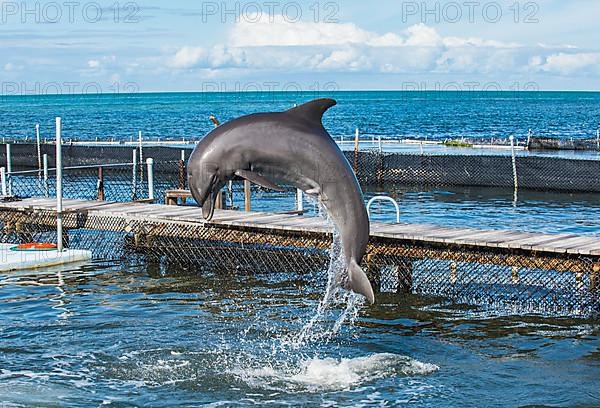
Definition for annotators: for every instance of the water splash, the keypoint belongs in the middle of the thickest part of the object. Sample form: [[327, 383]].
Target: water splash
[[317, 328], [330, 374]]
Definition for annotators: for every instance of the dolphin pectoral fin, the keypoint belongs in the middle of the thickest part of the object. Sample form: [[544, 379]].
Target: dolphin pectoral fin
[[358, 282], [208, 209], [258, 179]]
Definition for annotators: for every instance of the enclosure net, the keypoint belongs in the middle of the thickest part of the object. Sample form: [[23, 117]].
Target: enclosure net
[[565, 284]]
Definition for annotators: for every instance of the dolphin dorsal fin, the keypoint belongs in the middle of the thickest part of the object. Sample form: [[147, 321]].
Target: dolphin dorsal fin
[[313, 111]]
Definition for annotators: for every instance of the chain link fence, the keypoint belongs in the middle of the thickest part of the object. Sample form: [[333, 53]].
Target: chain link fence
[[373, 168], [111, 182], [503, 280]]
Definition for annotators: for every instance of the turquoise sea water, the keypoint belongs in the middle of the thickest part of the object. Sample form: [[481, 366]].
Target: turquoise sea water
[[435, 115]]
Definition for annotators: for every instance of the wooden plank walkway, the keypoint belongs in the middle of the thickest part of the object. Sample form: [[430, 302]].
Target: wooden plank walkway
[[565, 244]]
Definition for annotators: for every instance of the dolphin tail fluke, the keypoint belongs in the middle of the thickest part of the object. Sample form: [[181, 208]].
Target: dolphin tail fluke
[[358, 281]]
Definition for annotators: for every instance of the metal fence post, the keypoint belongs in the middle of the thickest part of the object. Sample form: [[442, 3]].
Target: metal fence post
[[9, 168], [182, 171], [141, 146], [247, 196], [134, 176], [514, 166], [356, 142], [45, 164], [230, 193], [3, 180], [39, 148], [219, 201], [59, 180], [299, 200], [100, 186], [150, 165]]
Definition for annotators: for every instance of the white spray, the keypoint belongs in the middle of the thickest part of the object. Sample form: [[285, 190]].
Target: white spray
[[334, 296]]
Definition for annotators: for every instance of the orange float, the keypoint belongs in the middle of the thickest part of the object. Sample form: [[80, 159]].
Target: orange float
[[35, 246]]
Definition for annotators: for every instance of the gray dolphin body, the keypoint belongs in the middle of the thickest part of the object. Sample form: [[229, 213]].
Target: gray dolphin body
[[294, 148]]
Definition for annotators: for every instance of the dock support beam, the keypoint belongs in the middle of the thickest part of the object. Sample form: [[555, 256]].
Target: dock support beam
[[515, 275], [453, 272], [579, 280]]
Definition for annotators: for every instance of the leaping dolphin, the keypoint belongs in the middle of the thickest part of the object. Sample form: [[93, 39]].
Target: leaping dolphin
[[294, 148]]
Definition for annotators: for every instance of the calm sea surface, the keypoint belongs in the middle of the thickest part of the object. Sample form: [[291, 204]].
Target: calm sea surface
[[131, 334], [435, 115]]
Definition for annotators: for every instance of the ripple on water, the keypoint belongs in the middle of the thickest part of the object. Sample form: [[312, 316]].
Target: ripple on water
[[136, 339]]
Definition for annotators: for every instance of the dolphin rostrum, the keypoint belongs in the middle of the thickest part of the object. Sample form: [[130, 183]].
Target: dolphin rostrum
[[294, 148]]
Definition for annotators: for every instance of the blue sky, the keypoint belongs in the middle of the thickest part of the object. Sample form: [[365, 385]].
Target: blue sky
[[177, 45]]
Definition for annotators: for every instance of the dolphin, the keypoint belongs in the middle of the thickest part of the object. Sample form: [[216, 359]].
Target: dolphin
[[293, 148]]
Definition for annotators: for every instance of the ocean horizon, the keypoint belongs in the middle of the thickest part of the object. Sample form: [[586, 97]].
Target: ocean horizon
[[433, 115]]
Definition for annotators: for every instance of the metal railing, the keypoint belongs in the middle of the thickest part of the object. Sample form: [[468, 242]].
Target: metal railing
[[384, 198]]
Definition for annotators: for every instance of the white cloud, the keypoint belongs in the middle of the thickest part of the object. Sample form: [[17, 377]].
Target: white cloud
[[421, 35], [349, 59], [565, 64], [280, 32], [102, 63], [187, 57], [345, 47], [218, 56], [11, 67]]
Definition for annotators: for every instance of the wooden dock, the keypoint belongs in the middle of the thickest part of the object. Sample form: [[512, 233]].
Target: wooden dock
[[534, 243], [556, 273]]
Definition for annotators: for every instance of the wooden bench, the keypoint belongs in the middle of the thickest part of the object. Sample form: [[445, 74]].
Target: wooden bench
[[172, 196]]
